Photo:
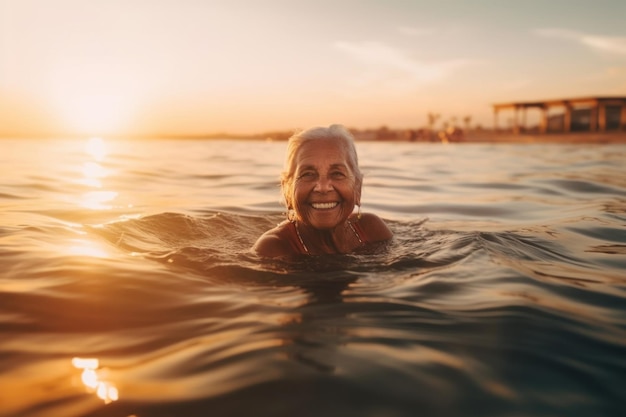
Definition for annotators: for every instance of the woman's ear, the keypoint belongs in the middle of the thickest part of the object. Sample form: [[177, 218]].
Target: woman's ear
[[285, 187], [357, 192]]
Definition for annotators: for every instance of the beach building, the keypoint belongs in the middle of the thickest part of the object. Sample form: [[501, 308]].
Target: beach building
[[586, 114]]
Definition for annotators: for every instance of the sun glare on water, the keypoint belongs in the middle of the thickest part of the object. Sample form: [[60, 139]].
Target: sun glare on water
[[93, 378], [94, 172], [83, 247], [96, 148]]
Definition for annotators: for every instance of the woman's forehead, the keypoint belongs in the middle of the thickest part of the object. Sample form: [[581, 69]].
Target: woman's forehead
[[323, 151]]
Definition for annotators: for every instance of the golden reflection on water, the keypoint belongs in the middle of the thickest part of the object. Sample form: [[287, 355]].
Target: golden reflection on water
[[93, 174], [83, 247], [97, 148], [93, 378], [98, 200]]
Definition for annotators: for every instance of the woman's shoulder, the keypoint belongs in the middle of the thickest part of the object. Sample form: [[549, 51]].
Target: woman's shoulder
[[374, 228], [275, 243]]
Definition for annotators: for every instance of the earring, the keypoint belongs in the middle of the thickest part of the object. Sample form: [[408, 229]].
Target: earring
[[291, 215], [358, 213]]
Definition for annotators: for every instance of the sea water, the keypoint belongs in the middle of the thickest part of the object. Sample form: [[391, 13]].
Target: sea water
[[127, 287]]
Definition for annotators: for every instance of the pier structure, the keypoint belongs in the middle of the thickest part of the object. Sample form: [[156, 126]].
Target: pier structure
[[590, 114]]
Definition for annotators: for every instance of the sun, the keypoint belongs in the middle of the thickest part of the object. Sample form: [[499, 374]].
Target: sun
[[95, 114]]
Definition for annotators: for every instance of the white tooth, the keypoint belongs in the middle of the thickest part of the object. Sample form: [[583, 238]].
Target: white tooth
[[324, 205]]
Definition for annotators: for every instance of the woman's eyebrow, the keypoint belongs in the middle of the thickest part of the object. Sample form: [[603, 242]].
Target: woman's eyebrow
[[313, 168]]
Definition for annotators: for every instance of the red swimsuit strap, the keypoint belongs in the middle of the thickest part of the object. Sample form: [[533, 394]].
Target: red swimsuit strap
[[360, 232], [295, 239]]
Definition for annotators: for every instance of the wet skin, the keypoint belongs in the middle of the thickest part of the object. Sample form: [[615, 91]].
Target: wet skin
[[323, 196]]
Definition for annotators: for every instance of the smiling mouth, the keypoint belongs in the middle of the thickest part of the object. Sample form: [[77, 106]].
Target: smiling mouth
[[324, 206]]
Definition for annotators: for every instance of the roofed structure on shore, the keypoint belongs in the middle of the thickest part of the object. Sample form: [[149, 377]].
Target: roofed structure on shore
[[590, 114]]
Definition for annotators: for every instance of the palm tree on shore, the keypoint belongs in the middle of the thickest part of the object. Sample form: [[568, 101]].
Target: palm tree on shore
[[467, 120], [432, 119]]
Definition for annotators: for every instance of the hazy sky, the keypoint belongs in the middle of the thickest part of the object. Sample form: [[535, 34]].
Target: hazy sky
[[171, 67]]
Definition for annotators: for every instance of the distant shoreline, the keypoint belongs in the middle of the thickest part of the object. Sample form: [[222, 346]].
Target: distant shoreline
[[577, 137], [473, 136], [495, 137]]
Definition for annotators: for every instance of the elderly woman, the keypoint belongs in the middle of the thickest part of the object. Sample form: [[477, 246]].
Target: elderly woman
[[321, 187]]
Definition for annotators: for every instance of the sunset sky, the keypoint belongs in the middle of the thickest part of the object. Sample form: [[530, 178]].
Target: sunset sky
[[189, 67]]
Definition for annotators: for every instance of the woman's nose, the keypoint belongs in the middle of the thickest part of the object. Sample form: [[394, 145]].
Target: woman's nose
[[323, 184]]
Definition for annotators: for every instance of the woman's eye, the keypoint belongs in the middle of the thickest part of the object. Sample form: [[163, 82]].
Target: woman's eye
[[338, 175], [306, 175]]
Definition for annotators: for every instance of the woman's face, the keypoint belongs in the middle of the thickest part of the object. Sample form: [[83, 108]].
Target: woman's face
[[325, 188]]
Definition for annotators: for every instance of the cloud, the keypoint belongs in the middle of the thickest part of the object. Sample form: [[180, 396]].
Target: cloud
[[616, 71], [414, 31], [514, 85], [391, 66], [611, 44]]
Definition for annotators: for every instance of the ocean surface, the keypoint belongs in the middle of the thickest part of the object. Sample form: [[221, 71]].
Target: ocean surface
[[127, 287]]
